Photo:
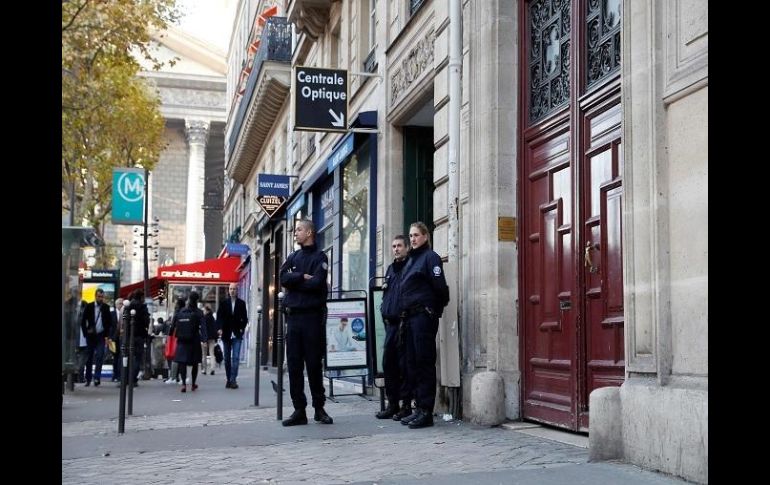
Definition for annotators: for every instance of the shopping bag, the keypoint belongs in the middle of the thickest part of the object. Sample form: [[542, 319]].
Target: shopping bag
[[170, 351]]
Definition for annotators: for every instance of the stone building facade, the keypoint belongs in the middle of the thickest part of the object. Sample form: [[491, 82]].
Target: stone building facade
[[186, 184], [571, 214]]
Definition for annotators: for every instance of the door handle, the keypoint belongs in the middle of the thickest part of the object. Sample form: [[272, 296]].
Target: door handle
[[587, 257]]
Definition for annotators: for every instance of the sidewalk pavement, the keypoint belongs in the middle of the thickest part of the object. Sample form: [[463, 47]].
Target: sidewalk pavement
[[216, 435]]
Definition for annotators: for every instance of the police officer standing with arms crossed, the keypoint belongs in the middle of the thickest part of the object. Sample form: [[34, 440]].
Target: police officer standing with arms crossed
[[394, 353], [303, 275], [422, 298]]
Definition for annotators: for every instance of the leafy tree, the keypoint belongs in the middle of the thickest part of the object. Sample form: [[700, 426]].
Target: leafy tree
[[110, 116]]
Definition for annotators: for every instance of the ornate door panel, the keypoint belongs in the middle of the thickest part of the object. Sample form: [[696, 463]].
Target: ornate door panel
[[548, 253], [570, 207], [602, 253]]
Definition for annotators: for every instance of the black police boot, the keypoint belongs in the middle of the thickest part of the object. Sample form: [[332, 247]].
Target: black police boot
[[320, 415], [297, 417], [423, 420], [388, 412], [406, 410], [411, 417]]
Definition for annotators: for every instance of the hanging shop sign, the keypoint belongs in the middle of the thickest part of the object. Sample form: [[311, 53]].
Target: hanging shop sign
[[321, 99]]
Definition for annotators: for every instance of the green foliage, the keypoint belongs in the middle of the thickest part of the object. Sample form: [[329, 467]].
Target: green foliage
[[110, 116]]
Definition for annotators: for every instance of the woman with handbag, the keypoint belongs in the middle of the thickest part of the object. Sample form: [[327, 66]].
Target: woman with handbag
[[187, 325], [170, 352]]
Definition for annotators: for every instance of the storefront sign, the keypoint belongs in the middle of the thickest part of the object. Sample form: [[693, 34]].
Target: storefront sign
[[321, 99], [270, 203], [269, 184], [344, 149], [296, 205], [210, 275]]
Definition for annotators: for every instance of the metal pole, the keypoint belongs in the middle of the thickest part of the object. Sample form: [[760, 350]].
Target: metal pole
[[123, 374], [146, 217], [257, 360], [279, 343], [131, 364]]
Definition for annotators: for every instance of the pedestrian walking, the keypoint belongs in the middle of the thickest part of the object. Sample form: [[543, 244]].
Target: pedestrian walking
[[231, 321], [187, 324]]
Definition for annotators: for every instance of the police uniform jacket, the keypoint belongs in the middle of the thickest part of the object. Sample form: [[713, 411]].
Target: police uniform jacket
[[390, 291], [302, 293], [423, 283]]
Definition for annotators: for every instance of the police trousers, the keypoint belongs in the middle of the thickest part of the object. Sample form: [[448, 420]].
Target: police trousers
[[305, 345], [394, 366], [421, 333]]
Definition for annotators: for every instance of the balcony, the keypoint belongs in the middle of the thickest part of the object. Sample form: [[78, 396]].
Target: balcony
[[266, 91], [310, 16]]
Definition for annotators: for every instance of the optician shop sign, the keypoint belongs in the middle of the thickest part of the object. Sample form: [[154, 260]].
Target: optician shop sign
[[320, 99]]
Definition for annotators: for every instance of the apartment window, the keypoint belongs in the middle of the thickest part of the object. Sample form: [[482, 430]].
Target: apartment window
[[368, 34], [335, 48], [414, 6], [372, 18]]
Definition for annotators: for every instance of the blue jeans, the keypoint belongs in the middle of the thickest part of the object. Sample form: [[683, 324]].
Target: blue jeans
[[232, 352], [95, 355]]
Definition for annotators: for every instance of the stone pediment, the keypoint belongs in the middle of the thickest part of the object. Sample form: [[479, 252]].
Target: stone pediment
[[193, 55]]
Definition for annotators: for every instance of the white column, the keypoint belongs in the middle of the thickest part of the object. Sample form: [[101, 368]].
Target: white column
[[197, 135]]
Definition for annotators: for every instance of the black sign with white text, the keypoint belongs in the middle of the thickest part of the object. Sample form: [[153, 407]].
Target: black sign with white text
[[320, 99]]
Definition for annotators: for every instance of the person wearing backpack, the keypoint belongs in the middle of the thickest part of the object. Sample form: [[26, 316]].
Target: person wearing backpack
[[232, 321], [187, 328]]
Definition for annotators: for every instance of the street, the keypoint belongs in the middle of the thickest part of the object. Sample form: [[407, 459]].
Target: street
[[215, 435]]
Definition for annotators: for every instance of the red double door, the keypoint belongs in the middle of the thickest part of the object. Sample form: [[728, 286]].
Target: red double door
[[570, 248]]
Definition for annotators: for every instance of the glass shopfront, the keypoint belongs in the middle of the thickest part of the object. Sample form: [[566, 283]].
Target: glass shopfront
[[355, 220]]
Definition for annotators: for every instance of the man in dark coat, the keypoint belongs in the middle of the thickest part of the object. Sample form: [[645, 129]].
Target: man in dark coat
[[232, 321], [95, 324]]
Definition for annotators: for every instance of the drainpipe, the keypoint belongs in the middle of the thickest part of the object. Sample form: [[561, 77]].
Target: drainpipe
[[455, 101]]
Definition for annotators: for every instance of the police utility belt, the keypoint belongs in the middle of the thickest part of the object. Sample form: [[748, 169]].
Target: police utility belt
[[303, 311], [414, 310]]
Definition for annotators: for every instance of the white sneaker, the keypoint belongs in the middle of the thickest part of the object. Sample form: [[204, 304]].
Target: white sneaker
[[170, 380]]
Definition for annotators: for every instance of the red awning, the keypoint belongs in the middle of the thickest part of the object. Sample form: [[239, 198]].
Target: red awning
[[155, 285], [218, 270]]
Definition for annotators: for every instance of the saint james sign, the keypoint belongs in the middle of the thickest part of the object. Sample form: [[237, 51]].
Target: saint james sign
[[320, 99]]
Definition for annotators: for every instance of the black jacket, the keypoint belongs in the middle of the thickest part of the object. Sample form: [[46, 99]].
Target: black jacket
[[141, 319], [423, 282], [88, 322], [302, 293], [232, 323], [391, 288]]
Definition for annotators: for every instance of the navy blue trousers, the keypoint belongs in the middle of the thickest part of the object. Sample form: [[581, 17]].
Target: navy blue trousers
[[305, 346], [421, 359], [394, 367]]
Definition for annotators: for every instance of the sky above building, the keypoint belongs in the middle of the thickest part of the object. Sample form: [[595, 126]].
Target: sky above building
[[208, 20]]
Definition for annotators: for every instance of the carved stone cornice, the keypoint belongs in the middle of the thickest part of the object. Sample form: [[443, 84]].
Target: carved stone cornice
[[270, 94], [197, 131], [310, 16], [417, 61]]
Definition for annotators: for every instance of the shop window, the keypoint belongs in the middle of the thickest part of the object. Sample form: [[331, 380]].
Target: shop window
[[355, 221]]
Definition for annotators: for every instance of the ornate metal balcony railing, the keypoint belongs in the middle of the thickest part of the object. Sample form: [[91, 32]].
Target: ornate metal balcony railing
[[275, 45]]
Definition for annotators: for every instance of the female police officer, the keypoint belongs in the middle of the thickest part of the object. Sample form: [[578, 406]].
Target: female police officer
[[423, 296]]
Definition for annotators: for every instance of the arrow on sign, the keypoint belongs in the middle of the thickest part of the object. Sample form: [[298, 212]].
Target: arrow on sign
[[339, 121]]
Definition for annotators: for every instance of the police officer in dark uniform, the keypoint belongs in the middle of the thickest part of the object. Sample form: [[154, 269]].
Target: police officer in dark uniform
[[394, 352], [423, 296], [303, 275]]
